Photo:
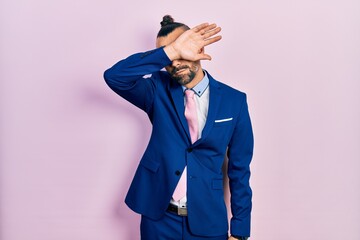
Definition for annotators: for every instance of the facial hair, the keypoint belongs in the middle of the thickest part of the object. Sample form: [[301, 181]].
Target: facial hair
[[186, 78]]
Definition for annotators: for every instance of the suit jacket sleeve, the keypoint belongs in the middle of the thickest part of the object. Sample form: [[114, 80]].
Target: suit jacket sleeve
[[126, 77], [240, 151]]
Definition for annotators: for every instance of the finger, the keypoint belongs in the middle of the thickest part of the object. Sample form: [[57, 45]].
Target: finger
[[208, 28], [211, 33], [200, 27], [212, 40]]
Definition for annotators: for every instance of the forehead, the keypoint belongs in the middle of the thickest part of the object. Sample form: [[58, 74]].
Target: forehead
[[166, 40]]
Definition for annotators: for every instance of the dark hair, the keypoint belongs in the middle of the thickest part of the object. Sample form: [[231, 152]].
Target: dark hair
[[168, 25]]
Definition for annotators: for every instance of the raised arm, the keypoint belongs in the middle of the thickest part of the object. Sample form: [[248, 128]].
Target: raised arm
[[126, 76]]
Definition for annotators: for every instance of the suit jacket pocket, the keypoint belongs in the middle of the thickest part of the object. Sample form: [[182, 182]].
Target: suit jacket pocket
[[150, 164], [223, 122]]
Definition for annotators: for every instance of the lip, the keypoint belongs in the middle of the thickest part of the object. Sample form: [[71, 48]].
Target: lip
[[180, 71]]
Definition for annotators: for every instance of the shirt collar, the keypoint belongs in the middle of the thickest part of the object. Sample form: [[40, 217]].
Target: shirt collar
[[200, 88]]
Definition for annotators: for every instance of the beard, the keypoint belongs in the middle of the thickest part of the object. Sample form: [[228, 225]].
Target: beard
[[185, 78]]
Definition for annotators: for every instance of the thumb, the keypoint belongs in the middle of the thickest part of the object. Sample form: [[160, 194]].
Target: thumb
[[204, 56]]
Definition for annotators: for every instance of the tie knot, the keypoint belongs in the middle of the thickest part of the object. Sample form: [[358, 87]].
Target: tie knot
[[189, 93]]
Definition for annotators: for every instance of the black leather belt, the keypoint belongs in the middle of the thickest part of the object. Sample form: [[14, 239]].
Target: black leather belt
[[177, 210]]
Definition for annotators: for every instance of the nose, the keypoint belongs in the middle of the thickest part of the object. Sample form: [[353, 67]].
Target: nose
[[175, 63]]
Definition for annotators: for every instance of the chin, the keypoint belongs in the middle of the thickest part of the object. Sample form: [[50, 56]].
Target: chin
[[184, 79], [185, 82]]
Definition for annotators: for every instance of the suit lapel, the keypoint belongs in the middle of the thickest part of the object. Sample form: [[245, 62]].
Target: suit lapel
[[178, 101], [177, 95], [214, 103]]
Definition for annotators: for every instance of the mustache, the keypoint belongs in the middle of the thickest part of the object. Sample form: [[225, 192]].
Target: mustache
[[179, 68]]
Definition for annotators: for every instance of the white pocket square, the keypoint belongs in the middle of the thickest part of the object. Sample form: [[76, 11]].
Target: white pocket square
[[147, 76], [223, 120]]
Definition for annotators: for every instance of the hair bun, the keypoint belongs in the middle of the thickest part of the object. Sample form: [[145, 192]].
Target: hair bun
[[167, 19]]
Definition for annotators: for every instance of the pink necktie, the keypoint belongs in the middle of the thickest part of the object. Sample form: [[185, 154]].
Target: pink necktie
[[191, 114], [191, 117]]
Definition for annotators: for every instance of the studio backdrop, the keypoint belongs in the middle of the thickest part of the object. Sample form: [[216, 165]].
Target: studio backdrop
[[69, 146]]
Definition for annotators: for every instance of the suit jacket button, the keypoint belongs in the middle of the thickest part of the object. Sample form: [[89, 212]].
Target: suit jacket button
[[189, 150], [177, 173]]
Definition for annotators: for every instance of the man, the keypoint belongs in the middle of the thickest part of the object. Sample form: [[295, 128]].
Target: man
[[178, 186]]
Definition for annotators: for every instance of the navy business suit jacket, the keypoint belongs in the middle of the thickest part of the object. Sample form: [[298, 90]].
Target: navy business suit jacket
[[227, 131]]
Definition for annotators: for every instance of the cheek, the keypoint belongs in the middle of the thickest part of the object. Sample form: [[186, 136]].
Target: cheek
[[193, 64], [195, 67]]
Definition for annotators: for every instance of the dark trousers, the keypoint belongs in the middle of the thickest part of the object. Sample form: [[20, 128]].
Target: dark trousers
[[170, 227]]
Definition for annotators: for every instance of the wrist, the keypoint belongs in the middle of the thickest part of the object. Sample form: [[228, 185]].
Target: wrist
[[171, 52]]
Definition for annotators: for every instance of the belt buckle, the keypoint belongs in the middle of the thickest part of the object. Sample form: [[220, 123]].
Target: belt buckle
[[182, 211]]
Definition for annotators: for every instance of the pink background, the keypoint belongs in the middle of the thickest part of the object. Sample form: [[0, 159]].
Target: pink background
[[69, 145]]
